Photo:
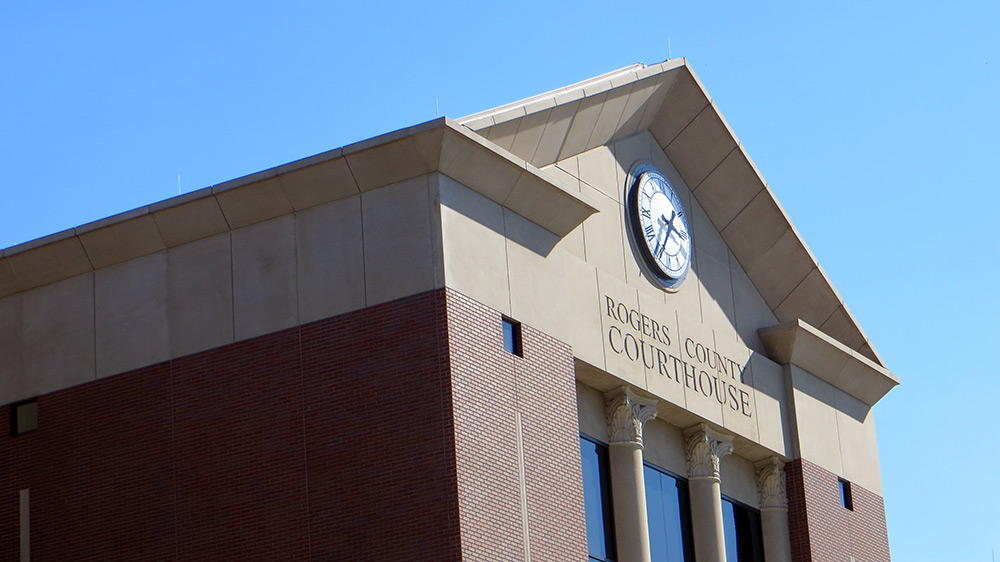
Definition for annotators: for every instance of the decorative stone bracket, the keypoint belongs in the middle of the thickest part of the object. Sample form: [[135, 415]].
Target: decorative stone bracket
[[627, 412], [705, 448]]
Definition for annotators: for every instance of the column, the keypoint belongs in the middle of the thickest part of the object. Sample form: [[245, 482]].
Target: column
[[627, 412], [705, 448], [773, 510]]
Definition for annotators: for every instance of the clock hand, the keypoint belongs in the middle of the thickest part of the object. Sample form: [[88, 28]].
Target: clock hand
[[680, 233], [670, 230], [659, 238], [669, 224], [663, 219], [684, 235]]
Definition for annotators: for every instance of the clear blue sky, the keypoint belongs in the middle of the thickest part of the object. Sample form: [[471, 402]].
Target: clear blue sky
[[874, 122]]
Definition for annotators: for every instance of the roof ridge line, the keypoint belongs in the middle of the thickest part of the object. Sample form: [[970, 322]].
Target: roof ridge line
[[550, 94]]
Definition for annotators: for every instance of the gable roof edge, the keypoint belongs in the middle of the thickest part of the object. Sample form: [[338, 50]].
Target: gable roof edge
[[670, 101]]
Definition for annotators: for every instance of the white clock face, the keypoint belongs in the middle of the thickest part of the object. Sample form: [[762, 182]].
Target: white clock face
[[661, 225]]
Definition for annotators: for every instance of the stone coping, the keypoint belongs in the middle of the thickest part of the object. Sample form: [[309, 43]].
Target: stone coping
[[441, 145]]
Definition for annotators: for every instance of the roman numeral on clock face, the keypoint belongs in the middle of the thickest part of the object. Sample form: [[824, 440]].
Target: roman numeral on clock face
[[650, 234]]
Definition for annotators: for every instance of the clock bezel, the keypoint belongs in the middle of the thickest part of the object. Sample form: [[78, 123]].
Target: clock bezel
[[647, 262]]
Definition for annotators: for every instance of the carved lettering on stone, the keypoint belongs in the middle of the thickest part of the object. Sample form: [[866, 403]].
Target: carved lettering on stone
[[705, 448], [771, 484], [627, 412]]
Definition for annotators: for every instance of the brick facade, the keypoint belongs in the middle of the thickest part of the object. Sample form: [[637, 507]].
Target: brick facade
[[490, 387], [330, 441], [822, 529], [383, 434]]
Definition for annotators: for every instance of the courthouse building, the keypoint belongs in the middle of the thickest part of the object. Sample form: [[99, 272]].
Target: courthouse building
[[579, 326]]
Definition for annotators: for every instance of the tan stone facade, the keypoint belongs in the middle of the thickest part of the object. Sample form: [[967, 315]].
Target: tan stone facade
[[517, 212]]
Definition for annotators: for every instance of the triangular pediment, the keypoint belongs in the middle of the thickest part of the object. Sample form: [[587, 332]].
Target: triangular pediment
[[669, 101]]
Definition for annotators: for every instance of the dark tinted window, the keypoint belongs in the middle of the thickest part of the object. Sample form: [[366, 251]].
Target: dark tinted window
[[23, 417], [744, 541], [512, 337], [845, 495], [668, 514], [597, 500]]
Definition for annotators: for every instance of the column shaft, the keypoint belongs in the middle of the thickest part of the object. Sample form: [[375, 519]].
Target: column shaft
[[627, 412], [705, 448], [774, 527], [706, 520], [628, 492]]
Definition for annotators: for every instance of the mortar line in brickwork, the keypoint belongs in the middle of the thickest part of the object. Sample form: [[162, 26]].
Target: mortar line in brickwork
[[173, 457], [850, 532], [305, 448], [24, 525]]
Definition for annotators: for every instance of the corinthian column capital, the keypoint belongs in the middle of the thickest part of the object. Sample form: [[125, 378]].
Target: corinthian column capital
[[705, 448], [771, 484], [627, 412]]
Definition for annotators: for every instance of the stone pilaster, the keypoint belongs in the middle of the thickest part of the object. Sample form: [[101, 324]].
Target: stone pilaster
[[627, 413], [705, 448]]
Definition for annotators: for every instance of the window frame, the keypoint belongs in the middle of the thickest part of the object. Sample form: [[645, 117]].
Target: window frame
[[610, 546], [515, 343], [749, 532], [30, 418], [684, 499], [846, 494]]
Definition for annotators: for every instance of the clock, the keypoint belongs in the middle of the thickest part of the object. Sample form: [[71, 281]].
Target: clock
[[658, 226]]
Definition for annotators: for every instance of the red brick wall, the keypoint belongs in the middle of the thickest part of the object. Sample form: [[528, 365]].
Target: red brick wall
[[379, 434], [489, 387], [822, 529], [331, 441], [100, 472]]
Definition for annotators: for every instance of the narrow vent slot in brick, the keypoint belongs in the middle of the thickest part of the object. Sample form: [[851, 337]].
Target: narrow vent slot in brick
[[23, 417], [845, 494], [512, 337]]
